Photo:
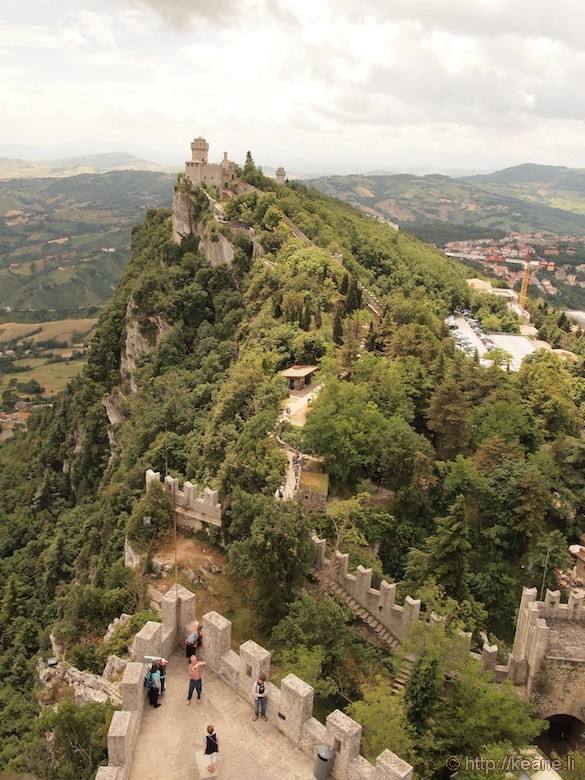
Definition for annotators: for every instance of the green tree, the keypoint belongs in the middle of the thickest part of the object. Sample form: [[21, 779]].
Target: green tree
[[381, 713], [447, 554], [346, 428], [550, 553], [337, 327], [450, 549], [447, 418], [156, 504], [422, 691], [78, 746], [278, 555]]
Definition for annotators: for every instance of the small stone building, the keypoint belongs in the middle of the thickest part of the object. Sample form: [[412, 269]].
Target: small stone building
[[298, 377]]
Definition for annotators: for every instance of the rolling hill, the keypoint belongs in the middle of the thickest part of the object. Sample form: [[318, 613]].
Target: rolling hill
[[64, 241], [525, 198], [71, 166]]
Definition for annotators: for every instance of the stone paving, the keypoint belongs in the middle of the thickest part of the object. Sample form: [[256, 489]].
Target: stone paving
[[249, 750]]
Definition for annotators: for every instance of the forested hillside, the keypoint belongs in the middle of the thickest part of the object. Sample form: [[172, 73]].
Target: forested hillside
[[64, 241], [450, 478]]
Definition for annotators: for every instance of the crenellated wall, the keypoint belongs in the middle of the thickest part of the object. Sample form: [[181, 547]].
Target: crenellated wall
[[290, 707], [192, 510], [548, 657], [154, 639]]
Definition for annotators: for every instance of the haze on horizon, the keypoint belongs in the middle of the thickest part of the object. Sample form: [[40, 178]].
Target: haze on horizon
[[338, 84]]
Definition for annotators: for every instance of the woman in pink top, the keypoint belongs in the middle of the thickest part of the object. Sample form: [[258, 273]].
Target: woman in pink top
[[195, 684]]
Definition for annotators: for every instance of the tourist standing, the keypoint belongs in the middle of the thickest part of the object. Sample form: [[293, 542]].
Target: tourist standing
[[260, 692], [211, 747], [195, 683], [192, 642], [154, 685], [162, 670]]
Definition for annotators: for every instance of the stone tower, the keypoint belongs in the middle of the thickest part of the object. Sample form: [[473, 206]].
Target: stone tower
[[199, 150], [280, 175]]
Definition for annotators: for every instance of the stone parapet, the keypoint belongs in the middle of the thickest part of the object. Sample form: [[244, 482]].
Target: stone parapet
[[154, 639], [108, 773], [192, 509], [290, 707]]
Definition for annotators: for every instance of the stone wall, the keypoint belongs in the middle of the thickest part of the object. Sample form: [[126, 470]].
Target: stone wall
[[192, 510], [548, 656], [154, 639], [290, 707], [380, 603]]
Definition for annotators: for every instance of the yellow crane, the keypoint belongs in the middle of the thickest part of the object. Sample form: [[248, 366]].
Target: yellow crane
[[525, 279]]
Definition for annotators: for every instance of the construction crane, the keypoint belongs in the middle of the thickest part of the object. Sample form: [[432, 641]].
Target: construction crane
[[525, 279]]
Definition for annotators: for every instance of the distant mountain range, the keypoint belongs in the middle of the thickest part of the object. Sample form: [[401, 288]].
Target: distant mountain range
[[523, 198], [71, 166]]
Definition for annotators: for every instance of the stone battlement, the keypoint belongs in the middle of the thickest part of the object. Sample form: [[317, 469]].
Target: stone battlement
[[290, 707], [380, 603], [548, 657], [192, 510], [154, 639]]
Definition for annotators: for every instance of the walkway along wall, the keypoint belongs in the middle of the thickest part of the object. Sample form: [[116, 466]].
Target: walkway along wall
[[158, 639], [290, 707], [548, 657]]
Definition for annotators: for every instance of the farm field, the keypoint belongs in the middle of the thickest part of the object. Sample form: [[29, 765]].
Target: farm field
[[53, 377], [60, 330]]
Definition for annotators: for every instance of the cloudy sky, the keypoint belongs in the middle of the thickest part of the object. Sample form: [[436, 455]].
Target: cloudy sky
[[338, 84]]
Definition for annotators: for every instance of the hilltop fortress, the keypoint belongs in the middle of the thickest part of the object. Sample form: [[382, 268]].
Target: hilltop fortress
[[218, 180], [200, 172]]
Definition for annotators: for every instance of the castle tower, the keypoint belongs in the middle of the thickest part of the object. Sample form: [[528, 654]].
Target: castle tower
[[199, 150], [280, 175]]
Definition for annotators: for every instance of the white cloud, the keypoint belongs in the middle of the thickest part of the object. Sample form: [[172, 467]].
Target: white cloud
[[361, 80]]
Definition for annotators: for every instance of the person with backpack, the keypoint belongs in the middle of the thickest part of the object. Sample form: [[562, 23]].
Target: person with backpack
[[193, 641], [153, 685], [211, 747], [260, 691]]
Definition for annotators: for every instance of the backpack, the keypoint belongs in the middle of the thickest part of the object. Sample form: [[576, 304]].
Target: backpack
[[193, 638], [148, 681]]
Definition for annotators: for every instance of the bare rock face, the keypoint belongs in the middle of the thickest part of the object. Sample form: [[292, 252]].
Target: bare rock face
[[184, 221], [217, 252], [119, 621], [86, 687], [137, 344], [114, 669], [131, 558]]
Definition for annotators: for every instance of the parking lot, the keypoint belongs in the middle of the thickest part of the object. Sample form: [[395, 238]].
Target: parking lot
[[466, 331]]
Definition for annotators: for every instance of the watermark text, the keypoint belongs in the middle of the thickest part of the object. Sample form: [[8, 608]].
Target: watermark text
[[509, 764]]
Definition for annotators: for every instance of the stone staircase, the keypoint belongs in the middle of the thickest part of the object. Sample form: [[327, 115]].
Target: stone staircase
[[382, 632], [403, 673]]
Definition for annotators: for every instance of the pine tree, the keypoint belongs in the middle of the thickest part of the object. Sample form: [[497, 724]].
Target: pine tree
[[371, 339], [447, 416], [422, 692], [337, 327], [449, 551], [305, 318], [352, 299], [318, 317], [344, 284]]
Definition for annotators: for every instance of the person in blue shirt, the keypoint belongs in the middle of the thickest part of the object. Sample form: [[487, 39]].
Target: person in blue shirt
[[154, 685]]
